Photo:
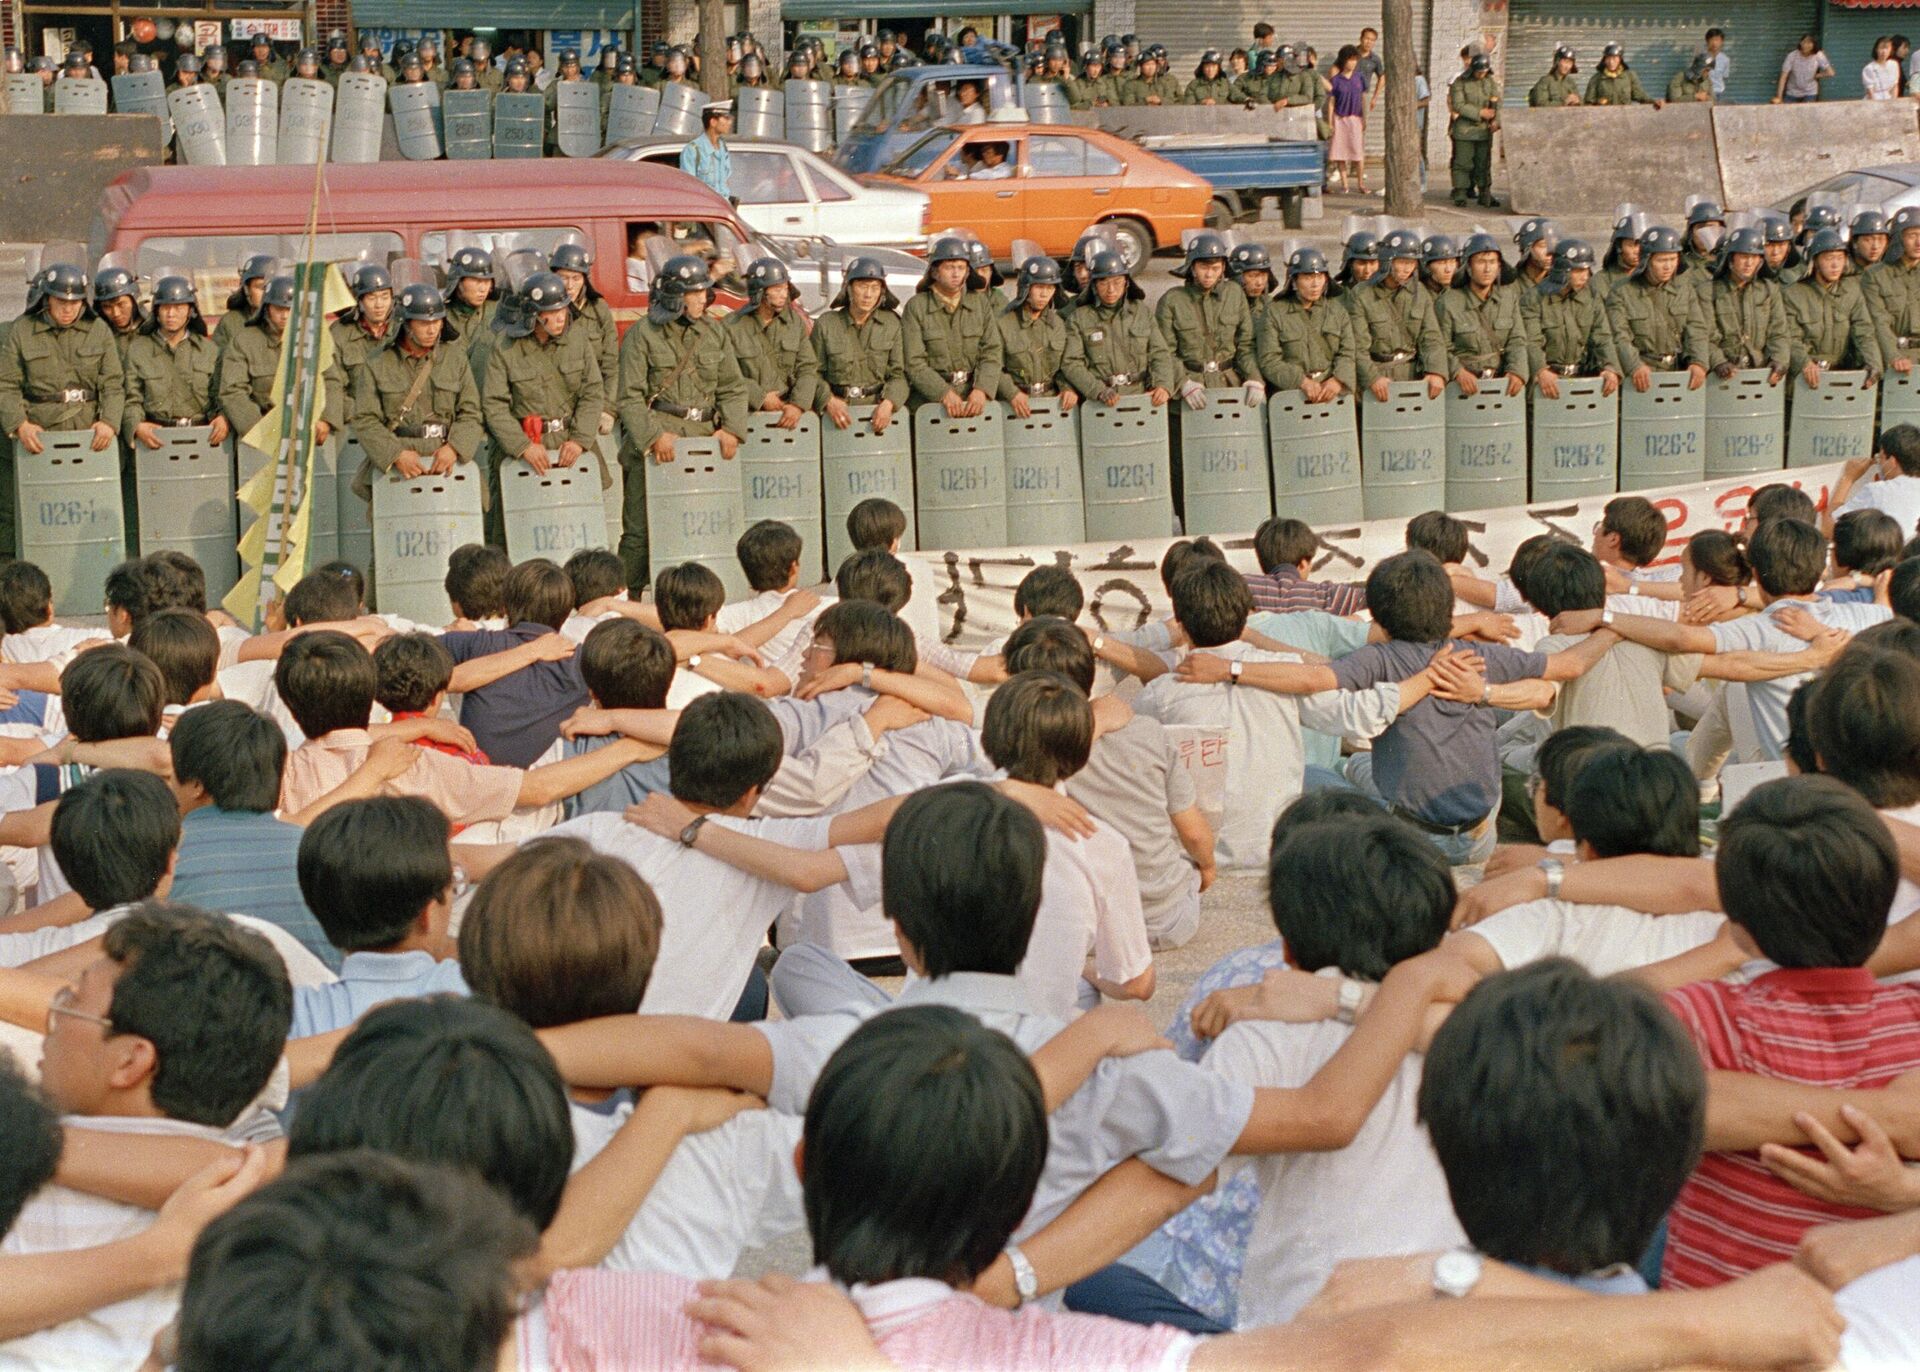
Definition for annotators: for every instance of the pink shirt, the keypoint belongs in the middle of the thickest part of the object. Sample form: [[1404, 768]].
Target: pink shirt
[[465, 793]]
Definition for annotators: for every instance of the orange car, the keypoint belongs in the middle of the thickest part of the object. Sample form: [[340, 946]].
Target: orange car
[[1050, 183]]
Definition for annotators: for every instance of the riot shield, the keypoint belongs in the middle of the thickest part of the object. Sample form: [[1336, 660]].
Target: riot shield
[[144, 92], [79, 95], [1314, 452], [416, 525], [1486, 447], [1663, 434], [1223, 458], [253, 123], [1832, 422], [306, 121], [1576, 441], [199, 126], [695, 512], [468, 116], [1045, 103], [613, 494], [519, 124], [856, 463], [680, 107], [26, 94], [353, 517], [809, 114], [1746, 424], [1044, 501], [1403, 445], [631, 111], [576, 112], [1125, 469], [414, 107], [553, 514], [359, 114], [759, 112], [849, 103], [185, 493], [1899, 398], [780, 479], [71, 519], [960, 471]]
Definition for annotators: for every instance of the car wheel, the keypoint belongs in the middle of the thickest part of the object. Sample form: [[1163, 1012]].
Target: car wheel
[[1221, 215], [1134, 239]]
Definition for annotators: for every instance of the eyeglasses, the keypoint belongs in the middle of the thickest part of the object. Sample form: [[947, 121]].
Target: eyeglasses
[[62, 1004]]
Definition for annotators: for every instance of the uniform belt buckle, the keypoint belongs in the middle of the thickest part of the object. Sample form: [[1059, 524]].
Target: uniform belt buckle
[[1906, 340], [1040, 388], [1487, 373], [695, 415], [854, 392], [1564, 369], [182, 422], [959, 378], [433, 431], [1121, 379], [73, 395], [1210, 367], [553, 426]]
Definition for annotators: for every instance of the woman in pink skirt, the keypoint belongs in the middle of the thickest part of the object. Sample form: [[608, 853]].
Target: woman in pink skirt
[[1347, 156]]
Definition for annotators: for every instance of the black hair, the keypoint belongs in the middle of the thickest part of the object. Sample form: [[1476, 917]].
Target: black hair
[[688, 596], [1902, 444], [26, 596], [1038, 728], [1863, 719], [236, 753], [1808, 870], [1866, 541], [351, 576], [1718, 556], [1893, 635], [322, 598], [1049, 590], [183, 645], [1799, 744], [126, 590], [31, 1127], [410, 671], [326, 681], [726, 744], [595, 574], [925, 1137], [626, 665], [1633, 800], [174, 581], [1525, 555], [1183, 551], [1411, 598], [369, 868], [351, 1262], [768, 551], [1440, 534], [1048, 643], [1567, 1112], [1334, 803], [1211, 601], [1777, 500], [874, 574], [114, 834], [112, 692], [960, 872], [1563, 753], [213, 999], [1788, 557], [1903, 589], [1640, 525], [862, 631], [1360, 894], [448, 1080], [1565, 576], [476, 582], [875, 523], [537, 592]]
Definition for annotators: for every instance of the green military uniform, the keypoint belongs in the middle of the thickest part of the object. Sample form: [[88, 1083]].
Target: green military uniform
[[1892, 294], [354, 343], [1294, 341], [41, 366], [445, 410], [1747, 325], [1200, 90], [1120, 348], [1552, 90], [1250, 87], [651, 75], [248, 366], [558, 380], [1293, 88], [861, 363], [1210, 333], [950, 347], [332, 74], [1083, 91], [680, 365], [1139, 90], [1035, 348], [439, 75], [1607, 280], [123, 339], [1661, 327], [1395, 333], [474, 323], [1680, 90], [595, 316], [1829, 325], [1484, 335], [775, 356], [1617, 88], [489, 77], [173, 387], [1568, 332], [1472, 136]]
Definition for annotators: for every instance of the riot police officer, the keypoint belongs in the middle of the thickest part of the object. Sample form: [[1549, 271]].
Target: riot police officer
[[952, 346], [1706, 226], [678, 379], [1557, 87], [846, 68], [465, 77], [470, 273], [573, 264], [542, 380], [1359, 260], [1304, 341], [1828, 315], [1210, 85], [871, 72], [860, 346], [1206, 323], [244, 303], [1074, 285], [1785, 264], [115, 301], [251, 360], [1121, 349], [338, 55], [59, 370], [1746, 320], [416, 408], [1568, 333], [1480, 322], [271, 67], [1614, 82], [1623, 254], [1395, 334], [369, 324], [1439, 266], [1251, 268], [1152, 86], [1692, 85], [986, 273], [172, 371], [1536, 240], [770, 344], [1035, 340], [487, 76], [1656, 315], [1473, 107], [1090, 87], [1867, 240], [1893, 293]]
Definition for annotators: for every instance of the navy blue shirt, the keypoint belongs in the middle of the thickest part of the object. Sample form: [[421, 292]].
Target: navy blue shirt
[[518, 717]]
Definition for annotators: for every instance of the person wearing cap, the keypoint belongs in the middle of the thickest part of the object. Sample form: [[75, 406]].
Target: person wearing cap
[[59, 370], [1207, 324], [654, 70], [416, 408], [1615, 83], [1746, 318], [1439, 266], [1035, 341], [1828, 316], [706, 157], [1395, 334], [1304, 338], [368, 325], [243, 302], [1706, 226], [1118, 348], [1568, 333], [1359, 261], [1657, 317], [306, 65], [569, 72], [950, 343], [1892, 293], [1692, 84], [250, 364], [1210, 84], [1473, 106], [1153, 86], [1058, 66], [1480, 321], [861, 348], [771, 346], [1557, 87]]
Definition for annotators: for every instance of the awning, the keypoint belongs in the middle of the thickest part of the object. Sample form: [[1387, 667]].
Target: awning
[[1876, 4], [939, 9], [500, 14]]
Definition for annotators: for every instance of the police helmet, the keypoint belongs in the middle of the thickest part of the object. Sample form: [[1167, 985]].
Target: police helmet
[[1562, 50], [543, 292], [1533, 231], [1248, 257], [1572, 255], [570, 257], [1205, 246], [866, 269], [174, 290], [1479, 243], [63, 281], [765, 272], [368, 279], [1614, 50], [1821, 217], [1747, 240], [1868, 222], [1904, 219], [1439, 247], [951, 248], [422, 301], [1825, 241], [463, 66], [186, 61], [1658, 239], [1705, 212], [1306, 262], [110, 283], [279, 294], [1776, 229], [249, 70], [516, 66], [1400, 243], [306, 57], [1360, 247]]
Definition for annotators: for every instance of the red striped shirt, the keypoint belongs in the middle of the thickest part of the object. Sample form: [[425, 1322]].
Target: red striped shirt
[[1286, 590], [1831, 1027]]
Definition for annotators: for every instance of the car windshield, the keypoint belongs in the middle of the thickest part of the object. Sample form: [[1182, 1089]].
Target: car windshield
[[1849, 188], [884, 105], [923, 154]]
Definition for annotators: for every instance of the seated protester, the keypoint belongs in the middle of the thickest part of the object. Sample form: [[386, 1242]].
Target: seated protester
[[1505, 596], [314, 600], [1285, 549], [1135, 781], [377, 876], [626, 666], [777, 618], [411, 675], [1787, 557], [1865, 544], [476, 586], [327, 680], [172, 1031], [1630, 537], [516, 718], [1776, 500], [1556, 762], [1047, 590], [235, 855], [1440, 534], [875, 575], [1154, 648], [557, 934], [877, 524], [125, 593], [1265, 764], [1623, 800], [1806, 872], [1888, 482], [690, 597], [184, 646], [174, 581], [597, 575], [26, 612]]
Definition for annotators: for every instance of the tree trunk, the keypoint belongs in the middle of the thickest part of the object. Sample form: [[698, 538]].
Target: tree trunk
[[713, 49], [1402, 177]]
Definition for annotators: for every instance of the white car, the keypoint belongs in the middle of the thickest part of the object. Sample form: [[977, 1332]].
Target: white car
[[784, 189]]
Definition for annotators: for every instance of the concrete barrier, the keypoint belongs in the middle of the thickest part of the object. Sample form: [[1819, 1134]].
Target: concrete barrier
[[1587, 160], [54, 169], [1769, 152]]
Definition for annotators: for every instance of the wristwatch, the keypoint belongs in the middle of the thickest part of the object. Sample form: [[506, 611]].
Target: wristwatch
[[1606, 616], [1234, 669], [1347, 1003], [1456, 1272], [1556, 871], [1099, 642], [866, 675], [692, 831], [694, 661], [1026, 1283]]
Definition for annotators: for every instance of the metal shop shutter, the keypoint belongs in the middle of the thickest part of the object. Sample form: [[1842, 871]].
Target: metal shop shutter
[[1846, 35], [1660, 38], [506, 14]]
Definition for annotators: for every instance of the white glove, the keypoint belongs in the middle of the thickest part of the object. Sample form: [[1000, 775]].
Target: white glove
[[1194, 394], [606, 421], [1256, 391]]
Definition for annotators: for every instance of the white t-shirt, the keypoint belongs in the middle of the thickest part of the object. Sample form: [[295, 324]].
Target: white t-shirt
[[715, 917], [1604, 939], [578, 626], [1899, 498], [785, 649], [55, 643], [1089, 906], [1381, 1195], [1883, 1334], [1767, 700]]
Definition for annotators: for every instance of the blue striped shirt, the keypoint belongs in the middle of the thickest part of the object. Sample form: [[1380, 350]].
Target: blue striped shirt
[[710, 162], [242, 862]]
